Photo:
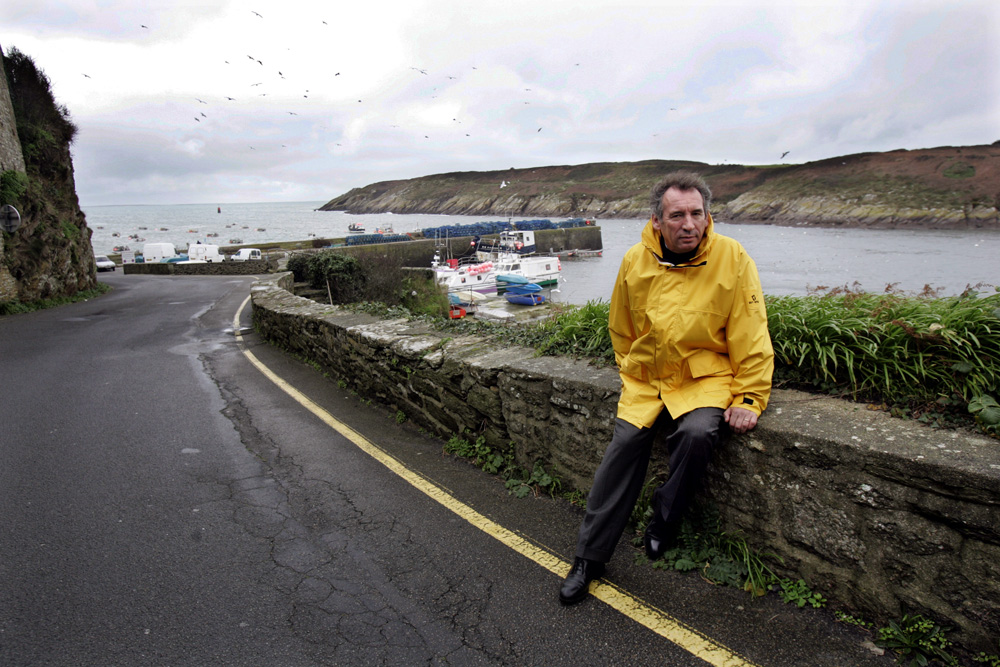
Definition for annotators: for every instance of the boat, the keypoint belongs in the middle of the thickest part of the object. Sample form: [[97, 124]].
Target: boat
[[514, 254], [531, 299], [511, 279], [478, 277], [456, 312], [121, 248], [235, 241], [524, 288], [356, 228], [466, 298]]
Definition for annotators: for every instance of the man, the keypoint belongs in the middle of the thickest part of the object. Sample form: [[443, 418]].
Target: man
[[689, 329]]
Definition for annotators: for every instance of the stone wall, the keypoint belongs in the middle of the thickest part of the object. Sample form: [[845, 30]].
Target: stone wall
[[11, 156], [420, 252], [881, 515], [247, 268]]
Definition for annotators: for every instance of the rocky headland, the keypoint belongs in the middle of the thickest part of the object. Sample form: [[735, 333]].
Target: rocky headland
[[946, 187]]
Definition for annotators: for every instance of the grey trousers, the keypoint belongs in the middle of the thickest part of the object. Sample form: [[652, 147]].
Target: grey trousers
[[618, 480]]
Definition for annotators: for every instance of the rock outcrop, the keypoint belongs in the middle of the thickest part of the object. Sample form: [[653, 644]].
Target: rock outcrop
[[947, 187], [50, 255]]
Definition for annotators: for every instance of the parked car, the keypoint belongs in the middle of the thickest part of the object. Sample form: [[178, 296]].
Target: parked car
[[104, 264], [245, 254]]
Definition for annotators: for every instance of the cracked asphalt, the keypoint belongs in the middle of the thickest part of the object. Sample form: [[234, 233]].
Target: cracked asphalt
[[163, 503]]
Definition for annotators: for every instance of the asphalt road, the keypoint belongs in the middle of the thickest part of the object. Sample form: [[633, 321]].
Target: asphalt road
[[162, 502]]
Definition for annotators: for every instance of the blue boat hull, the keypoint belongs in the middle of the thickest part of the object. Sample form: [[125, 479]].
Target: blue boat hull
[[525, 299]]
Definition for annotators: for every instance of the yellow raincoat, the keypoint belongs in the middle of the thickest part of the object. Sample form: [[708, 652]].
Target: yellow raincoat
[[691, 335]]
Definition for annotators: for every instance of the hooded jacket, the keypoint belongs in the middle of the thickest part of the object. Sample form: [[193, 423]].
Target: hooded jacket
[[689, 335]]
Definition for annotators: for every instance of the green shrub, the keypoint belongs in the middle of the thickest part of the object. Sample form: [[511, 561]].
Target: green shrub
[[299, 266], [928, 353], [13, 185], [340, 272]]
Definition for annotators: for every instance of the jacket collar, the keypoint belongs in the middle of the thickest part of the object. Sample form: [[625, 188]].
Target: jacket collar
[[651, 240]]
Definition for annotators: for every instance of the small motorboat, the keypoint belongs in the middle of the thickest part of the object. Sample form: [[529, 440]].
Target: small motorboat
[[505, 279], [525, 288], [356, 228], [531, 299]]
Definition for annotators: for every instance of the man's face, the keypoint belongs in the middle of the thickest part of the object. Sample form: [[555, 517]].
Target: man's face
[[684, 219]]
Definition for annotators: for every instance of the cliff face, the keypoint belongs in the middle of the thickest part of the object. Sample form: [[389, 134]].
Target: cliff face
[[50, 255], [937, 187]]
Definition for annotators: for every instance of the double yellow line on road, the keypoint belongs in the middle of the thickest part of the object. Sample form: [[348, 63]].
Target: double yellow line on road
[[656, 620]]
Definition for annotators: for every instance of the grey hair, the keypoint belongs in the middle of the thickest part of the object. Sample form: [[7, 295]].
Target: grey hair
[[682, 180]]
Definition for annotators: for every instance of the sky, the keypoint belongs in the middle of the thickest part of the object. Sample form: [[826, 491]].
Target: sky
[[282, 100]]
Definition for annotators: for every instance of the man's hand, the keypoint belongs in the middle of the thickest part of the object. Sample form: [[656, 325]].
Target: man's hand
[[740, 420]]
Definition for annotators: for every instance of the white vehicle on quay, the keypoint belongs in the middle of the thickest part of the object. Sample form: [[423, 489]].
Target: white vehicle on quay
[[204, 252], [245, 254]]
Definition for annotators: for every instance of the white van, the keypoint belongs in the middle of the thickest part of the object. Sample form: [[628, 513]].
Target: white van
[[204, 252], [244, 254], [158, 252]]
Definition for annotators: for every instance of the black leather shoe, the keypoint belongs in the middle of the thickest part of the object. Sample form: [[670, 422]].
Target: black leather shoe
[[574, 588], [654, 546], [658, 542]]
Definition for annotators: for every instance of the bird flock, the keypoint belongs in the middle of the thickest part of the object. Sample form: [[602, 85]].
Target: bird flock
[[267, 74]]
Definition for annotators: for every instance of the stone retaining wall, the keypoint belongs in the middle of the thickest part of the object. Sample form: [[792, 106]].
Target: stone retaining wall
[[247, 268], [881, 515]]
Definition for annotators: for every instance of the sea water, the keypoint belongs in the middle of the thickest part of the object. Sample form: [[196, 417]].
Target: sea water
[[790, 260]]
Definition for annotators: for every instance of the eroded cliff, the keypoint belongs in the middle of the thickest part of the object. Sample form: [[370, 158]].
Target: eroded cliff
[[936, 187]]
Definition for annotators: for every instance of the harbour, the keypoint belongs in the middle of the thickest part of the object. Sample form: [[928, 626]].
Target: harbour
[[790, 259]]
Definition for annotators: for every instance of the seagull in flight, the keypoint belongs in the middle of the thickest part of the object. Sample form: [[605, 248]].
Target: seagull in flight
[[503, 184], [422, 71], [202, 101], [784, 154], [257, 14]]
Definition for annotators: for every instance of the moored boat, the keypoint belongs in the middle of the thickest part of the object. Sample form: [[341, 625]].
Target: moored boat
[[524, 288], [514, 254], [478, 277], [531, 299]]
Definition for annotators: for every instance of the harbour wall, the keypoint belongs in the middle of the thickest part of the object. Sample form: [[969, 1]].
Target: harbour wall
[[247, 268], [420, 252], [880, 515]]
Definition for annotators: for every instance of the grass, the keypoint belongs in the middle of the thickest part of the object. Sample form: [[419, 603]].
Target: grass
[[924, 357], [15, 307]]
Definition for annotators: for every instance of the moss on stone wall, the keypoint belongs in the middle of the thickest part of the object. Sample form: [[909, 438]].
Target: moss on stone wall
[[50, 255]]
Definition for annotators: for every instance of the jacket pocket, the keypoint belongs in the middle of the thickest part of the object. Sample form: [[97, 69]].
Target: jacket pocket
[[705, 362]]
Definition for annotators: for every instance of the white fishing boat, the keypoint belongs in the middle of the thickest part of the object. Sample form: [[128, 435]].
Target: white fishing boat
[[515, 254], [512, 258], [454, 277]]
